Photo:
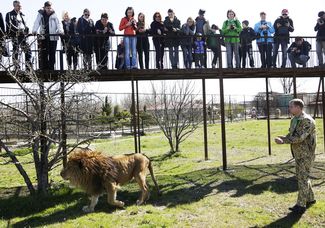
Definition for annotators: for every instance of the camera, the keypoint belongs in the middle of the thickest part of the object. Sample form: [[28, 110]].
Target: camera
[[232, 26], [264, 33]]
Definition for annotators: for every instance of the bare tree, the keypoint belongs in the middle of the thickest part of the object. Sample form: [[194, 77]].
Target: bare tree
[[176, 111], [45, 121], [287, 84]]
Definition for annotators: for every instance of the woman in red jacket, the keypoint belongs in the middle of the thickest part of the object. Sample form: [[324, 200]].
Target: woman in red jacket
[[129, 25]]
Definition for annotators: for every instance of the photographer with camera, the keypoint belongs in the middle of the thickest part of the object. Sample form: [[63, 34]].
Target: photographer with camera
[[320, 37], [129, 25], [299, 52], [264, 41], [18, 31], [282, 26], [232, 28]]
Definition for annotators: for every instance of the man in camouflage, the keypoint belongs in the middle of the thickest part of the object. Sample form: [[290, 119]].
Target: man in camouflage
[[302, 138]]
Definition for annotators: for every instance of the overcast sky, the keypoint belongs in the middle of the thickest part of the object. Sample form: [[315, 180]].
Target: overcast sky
[[303, 13]]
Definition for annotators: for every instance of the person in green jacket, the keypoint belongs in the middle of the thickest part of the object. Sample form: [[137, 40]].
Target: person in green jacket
[[213, 43], [232, 28]]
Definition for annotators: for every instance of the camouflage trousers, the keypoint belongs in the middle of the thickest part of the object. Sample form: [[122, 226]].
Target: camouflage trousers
[[305, 191]]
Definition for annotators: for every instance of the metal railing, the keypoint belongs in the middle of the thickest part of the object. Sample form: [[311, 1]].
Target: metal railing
[[61, 62]]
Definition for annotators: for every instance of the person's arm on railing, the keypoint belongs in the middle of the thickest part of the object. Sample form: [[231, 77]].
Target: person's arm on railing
[[37, 24]]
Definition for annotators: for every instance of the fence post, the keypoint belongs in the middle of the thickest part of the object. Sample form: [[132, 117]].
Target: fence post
[[323, 106], [205, 131], [268, 115], [134, 119], [138, 116]]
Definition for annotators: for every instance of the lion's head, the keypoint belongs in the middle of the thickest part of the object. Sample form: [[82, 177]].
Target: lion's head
[[87, 168]]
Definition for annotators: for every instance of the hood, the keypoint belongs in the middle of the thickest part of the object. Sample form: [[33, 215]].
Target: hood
[[42, 11]]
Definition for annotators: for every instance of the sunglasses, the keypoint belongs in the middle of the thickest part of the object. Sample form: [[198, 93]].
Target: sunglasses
[[86, 15], [284, 14]]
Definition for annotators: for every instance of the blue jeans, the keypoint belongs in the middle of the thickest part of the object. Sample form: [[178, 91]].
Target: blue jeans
[[187, 56], [320, 50], [300, 59], [130, 44], [284, 47], [232, 48], [173, 56]]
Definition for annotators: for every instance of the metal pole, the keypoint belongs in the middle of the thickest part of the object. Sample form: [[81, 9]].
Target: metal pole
[[317, 98], [223, 125], [134, 119], [268, 115], [63, 125], [323, 106], [245, 108], [138, 116], [205, 129], [294, 82]]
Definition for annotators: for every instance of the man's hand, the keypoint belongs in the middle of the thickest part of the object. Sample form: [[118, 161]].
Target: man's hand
[[278, 25], [278, 140]]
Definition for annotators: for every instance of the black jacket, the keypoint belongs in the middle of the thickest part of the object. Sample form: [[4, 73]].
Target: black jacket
[[283, 32], [247, 35], [13, 23], [303, 49], [170, 26], [85, 28], [154, 26], [102, 40], [320, 29], [2, 26]]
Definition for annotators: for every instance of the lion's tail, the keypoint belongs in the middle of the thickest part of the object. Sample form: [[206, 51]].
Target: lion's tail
[[153, 177]]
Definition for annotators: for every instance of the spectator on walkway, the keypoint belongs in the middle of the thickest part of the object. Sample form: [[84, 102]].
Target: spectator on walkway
[[86, 29], [157, 29], [264, 30], [202, 26], [66, 42], [247, 35], [173, 26], [143, 45], [213, 43], [119, 64], [232, 27], [188, 31], [282, 26], [2, 38], [299, 52], [320, 38], [199, 46], [73, 44], [48, 25], [17, 31], [102, 44], [129, 25]]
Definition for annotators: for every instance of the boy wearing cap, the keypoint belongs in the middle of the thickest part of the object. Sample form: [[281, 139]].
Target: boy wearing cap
[[283, 26], [247, 35], [320, 37]]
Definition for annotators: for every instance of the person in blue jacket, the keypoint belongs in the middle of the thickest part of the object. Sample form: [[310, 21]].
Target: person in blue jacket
[[264, 30]]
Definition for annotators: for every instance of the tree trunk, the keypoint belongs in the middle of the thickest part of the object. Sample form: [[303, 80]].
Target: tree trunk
[[19, 167], [43, 181]]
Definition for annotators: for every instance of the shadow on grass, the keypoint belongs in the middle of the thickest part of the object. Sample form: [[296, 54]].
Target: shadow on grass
[[288, 221], [180, 189]]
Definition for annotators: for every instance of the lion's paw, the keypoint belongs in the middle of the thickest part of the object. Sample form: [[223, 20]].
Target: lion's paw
[[120, 204], [87, 209], [139, 202]]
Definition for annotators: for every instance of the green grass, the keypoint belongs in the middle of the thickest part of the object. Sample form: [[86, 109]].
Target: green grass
[[255, 192]]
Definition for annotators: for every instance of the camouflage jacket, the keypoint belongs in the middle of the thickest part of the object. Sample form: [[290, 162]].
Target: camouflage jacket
[[302, 136]]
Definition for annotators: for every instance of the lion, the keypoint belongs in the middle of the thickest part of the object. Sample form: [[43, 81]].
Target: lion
[[96, 174]]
